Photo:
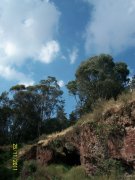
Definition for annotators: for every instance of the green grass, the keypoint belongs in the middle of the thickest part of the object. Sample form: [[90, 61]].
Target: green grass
[[63, 172], [32, 171]]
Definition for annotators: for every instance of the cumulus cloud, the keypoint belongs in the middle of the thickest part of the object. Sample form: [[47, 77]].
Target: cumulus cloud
[[61, 83], [11, 74], [111, 28], [49, 51], [27, 31], [73, 55]]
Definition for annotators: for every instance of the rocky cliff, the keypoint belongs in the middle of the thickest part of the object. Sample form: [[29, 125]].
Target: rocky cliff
[[92, 143]]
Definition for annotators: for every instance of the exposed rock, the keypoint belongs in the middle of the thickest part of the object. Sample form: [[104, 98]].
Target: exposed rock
[[44, 155], [127, 149], [29, 152], [94, 142]]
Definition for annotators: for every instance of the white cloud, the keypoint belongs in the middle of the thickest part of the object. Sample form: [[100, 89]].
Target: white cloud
[[49, 52], [73, 55], [27, 31], [61, 83], [10, 49], [11, 74], [111, 27], [28, 22]]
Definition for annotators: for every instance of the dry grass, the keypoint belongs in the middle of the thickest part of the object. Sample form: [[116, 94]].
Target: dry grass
[[103, 106], [53, 136], [46, 139], [24, 150], [126, 97], [100, 108]]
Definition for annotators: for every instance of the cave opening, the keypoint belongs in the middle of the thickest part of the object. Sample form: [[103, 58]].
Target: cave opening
[[72, 157], [68, 157]]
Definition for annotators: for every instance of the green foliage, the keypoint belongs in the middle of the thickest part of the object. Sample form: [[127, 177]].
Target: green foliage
[[7, 174], [5, 156], [72, 87], [76, 173], [27, 112], [29, 167], [111, 170], [56, 172], [108, 169], [18, 87], [44, 172], [110, 165], [73, 118], [5, 115], [54, 125], [98, 77]]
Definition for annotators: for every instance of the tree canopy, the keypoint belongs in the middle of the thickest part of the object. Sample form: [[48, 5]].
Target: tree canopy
[[98, 77], [27, 112]]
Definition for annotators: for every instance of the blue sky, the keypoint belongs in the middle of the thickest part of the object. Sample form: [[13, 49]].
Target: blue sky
[[52, 37]]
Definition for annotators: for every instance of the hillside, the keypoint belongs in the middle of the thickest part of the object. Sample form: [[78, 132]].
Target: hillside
[[99, 140]]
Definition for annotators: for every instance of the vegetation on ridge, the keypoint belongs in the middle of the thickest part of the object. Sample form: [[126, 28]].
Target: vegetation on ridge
[[30, 114]]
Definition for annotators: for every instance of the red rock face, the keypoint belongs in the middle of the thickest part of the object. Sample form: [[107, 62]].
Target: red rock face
[[93, 147], [92, 150], [44, 155], [127, 151], [119, 146]]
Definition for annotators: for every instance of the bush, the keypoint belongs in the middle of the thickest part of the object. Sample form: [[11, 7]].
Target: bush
[[76, 173], [7, 174], [29, 167], [53, 172], [109, 170]]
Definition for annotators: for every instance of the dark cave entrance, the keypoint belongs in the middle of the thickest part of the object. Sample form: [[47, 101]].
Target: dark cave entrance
[[72, 157], [68, 157]]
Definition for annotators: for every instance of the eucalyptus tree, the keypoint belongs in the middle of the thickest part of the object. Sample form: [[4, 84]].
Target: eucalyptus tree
[[34, 105], [96, 78]]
